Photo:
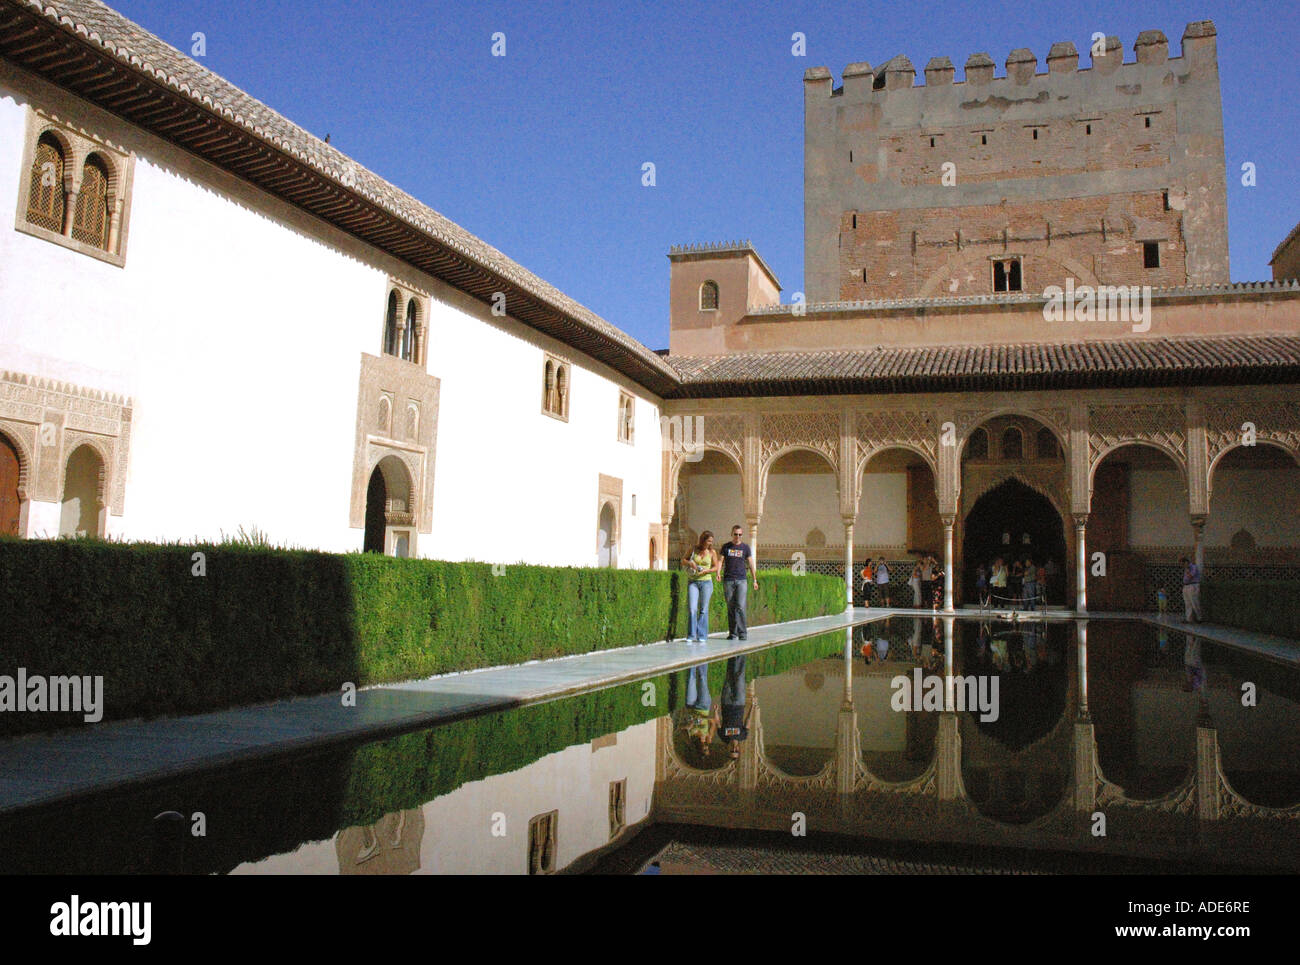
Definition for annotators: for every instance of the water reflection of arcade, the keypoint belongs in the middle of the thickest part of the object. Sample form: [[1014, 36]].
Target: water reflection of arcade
[[1035, 768]]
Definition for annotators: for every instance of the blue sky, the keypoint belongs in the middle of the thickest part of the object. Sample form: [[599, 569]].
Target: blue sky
[[540, 152]]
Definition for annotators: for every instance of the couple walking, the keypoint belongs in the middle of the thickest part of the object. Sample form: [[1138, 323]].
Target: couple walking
[[728, 719], [734, 563]]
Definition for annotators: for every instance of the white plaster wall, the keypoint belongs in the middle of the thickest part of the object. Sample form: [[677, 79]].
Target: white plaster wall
[[1157, 513], [458, 835], [237, 327], [714, 502], [1264, 501], [798, 502]]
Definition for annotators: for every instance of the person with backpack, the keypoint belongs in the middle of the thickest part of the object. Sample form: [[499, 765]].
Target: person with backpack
[[882, 581]]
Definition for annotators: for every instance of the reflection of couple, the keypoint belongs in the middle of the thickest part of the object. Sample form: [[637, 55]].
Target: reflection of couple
[[729, 719]]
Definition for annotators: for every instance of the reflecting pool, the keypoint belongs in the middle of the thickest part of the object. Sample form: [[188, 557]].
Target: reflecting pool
[[908, 737]]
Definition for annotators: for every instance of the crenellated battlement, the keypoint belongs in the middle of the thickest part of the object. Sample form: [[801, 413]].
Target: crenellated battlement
[[711, 248], [1021, 66]]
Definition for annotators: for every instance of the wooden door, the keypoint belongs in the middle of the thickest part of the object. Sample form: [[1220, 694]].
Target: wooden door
[[8, 488]]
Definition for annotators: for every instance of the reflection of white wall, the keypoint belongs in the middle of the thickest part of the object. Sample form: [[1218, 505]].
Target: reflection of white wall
[[458, 835], [796, 716], [1264, 501], [1157, 513], [1264, 737]]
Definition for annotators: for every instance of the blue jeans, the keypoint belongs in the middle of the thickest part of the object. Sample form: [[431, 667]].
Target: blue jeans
[[735, 592], [733, 687], [698, 594], [697, 687]]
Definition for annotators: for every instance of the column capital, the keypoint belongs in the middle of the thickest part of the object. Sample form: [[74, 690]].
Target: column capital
[[848, 520], [1080, 520], [948, 519], [1199, 520]]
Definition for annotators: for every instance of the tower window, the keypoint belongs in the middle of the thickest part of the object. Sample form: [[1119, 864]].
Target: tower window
[[1147, 122], [855, 222], [932, 142], [1035, 134], [1165, 196], [1150, 254], [1087, 129], [984, 138], [709, 296], [1006, 275], [864, 274]]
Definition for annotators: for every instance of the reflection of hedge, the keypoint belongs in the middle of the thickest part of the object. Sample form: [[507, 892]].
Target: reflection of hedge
[[1271, 606], [263, 809], [268, 623]]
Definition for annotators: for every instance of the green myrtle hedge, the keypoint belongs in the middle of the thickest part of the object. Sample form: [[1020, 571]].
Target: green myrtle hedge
[[1271, 606], [262, 623]]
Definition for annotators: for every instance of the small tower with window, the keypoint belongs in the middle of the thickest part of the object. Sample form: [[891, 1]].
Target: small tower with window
[[712, 287]]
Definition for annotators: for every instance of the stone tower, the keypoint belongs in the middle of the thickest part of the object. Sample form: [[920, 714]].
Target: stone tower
[[1112, 174]]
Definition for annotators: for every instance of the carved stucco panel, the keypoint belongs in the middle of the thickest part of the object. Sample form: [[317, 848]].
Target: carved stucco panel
[[1163, 425]]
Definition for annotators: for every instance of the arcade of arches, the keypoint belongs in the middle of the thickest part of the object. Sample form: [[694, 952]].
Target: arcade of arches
[[1141, 478]]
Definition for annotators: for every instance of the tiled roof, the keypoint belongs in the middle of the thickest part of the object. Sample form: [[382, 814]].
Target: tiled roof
[[1090, 364], [338, 182], [1248, 289]]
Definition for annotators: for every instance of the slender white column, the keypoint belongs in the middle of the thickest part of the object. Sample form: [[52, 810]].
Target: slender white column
[[1081, 570], [1081, 643], [848, 564], [948, 566], [1198, 542]]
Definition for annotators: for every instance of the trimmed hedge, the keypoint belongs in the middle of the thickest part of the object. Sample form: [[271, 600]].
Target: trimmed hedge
[[269, 623], [1271, 606]]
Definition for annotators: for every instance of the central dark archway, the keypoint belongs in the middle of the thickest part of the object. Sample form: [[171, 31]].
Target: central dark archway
[[998, 525]]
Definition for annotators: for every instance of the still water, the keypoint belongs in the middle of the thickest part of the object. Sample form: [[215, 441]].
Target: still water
[[1109, 740]]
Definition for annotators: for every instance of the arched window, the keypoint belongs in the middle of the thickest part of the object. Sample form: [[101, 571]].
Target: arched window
[[45, 199], [1013, 444], [1047, 447], [625, 418], [90, 221], [83, 490], [562, 391], [555, 389], [709, 296], [978, 446], [390, 325], [408, 333]]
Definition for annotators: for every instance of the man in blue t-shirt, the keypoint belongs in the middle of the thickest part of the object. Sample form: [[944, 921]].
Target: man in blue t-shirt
[[732, 714], [737, 563]]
